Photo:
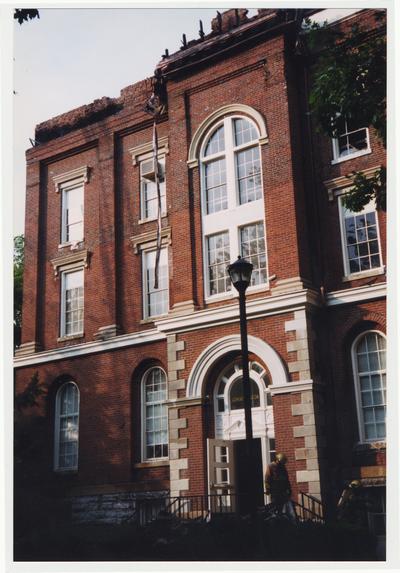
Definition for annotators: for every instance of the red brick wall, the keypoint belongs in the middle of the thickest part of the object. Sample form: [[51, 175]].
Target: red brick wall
[[110, 412], [265, 78]]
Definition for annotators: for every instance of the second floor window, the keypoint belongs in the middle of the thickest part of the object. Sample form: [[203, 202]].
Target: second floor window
[[72, 214], [232, 202], [72, 303], [351, 141], [360, 239], [148, 187], [156, 300]]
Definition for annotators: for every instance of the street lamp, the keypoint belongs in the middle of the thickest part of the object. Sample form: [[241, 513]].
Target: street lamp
[[240, 274]]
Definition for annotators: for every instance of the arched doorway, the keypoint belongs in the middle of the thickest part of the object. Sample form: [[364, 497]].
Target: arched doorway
[[229, 409], [226, 447], [215, 377]]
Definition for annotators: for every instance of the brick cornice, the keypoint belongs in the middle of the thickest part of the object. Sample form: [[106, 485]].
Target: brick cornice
[[87, 137]]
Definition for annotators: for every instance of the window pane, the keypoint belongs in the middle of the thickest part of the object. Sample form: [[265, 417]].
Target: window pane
[[149, 197], [73, 214], [370, 358], [218, 259], [156, 426], [363, 365], [215, 183], [351, 139], [157, 299], [252, 246], [362, 247], [244, 131], [248, 175], [236, 395], [216, 143], [68, 424]]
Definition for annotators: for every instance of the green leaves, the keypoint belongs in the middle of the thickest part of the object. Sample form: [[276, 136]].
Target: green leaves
[[349, 80], [23, 15], [19, 244], [365, 189], [28, 397]]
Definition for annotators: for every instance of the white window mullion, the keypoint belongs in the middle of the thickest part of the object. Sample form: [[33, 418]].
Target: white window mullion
[[230, 165], [234, 243]]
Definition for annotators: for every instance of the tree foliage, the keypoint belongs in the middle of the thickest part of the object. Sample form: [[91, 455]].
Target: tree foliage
[[25, 14], [28, 397], [349, 81], [19, 243]]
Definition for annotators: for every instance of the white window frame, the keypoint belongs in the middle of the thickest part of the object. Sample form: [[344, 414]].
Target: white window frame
[[64, 274], [357, 388], [143, 412], [145, 252], [256, 286], [257, 374], [64, 182], [238, 215], [346, 266], [335, 149], [57, 419], [65, 189], [163, 187]]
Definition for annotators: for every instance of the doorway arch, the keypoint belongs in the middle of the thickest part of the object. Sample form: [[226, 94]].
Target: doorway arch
[[219, 348]]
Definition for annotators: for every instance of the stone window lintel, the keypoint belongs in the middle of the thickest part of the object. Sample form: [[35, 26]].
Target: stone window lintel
[[78, 175], [139, 152], [71, 261], [148, 241]]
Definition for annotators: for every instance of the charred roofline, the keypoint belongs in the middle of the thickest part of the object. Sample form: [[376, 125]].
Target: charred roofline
[[215, 44]]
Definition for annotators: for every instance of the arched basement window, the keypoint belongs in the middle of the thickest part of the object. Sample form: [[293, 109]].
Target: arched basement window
[[155, 415], [369, 358], [67, 427]]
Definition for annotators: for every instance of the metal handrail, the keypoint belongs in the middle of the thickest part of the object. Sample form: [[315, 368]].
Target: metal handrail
[[202, 507]]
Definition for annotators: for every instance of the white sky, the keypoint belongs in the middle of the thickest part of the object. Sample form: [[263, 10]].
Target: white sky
[[70, 57]]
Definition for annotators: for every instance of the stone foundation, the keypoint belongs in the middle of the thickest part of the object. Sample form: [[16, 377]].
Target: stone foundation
[[110, 508]]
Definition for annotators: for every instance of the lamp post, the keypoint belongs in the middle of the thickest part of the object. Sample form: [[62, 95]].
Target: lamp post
[[240, 274]]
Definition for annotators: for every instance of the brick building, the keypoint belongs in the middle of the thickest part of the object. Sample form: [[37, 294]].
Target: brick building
[[143, 384]]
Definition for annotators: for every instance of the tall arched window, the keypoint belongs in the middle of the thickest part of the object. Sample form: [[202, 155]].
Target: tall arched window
[[66, 428], [155, 415], [232, 201], [369, 360]]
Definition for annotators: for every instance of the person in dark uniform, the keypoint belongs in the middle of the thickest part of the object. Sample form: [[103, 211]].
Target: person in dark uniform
[[277, 485]]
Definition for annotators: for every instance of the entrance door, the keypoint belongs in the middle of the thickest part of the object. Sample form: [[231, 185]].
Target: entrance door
[[221, 476]]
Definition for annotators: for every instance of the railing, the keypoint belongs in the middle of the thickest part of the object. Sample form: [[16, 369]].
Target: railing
[[204, 507], [309, 508], [191, 507]]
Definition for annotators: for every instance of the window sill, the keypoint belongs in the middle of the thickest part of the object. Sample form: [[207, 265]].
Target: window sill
[[372, 445], [70, 337], [69, 244], [230, 295], [364, 274], [142, 221], [153, 318], [72, 471], [152, 464], [351, 156], [233, 293]]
